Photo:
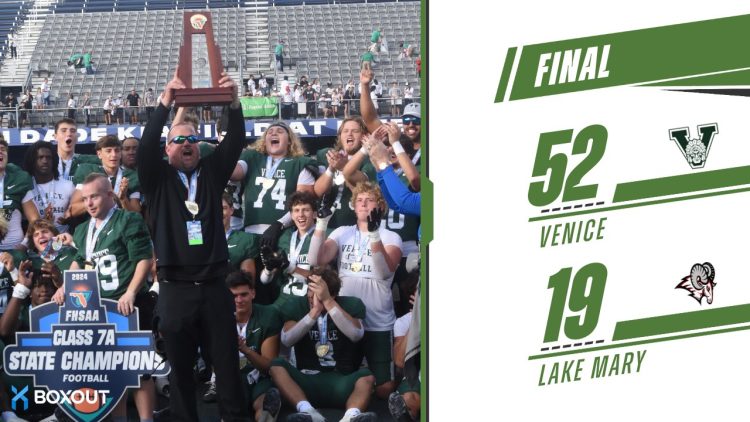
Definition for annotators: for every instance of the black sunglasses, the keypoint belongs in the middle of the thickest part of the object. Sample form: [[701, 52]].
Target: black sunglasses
[[180, 139], [410, 120]]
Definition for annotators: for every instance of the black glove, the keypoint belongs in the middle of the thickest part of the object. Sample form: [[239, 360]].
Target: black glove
[[271, 236], [273, 260], [326, 203], [374, 219]]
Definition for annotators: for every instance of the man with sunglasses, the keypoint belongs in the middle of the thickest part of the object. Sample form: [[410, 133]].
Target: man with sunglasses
[[409, 142], [185, 217]]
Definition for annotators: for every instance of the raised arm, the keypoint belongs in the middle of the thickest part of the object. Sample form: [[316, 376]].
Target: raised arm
[[149, 156], [366, 107]]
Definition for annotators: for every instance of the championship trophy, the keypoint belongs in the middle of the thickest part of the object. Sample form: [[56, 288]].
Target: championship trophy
[[200, 64]]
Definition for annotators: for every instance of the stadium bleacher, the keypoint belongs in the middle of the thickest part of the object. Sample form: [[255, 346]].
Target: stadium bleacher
[[319, 44], [12, 13], [327, 41]]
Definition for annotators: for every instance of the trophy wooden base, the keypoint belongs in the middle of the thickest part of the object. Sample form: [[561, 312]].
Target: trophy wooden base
[[202, 96]]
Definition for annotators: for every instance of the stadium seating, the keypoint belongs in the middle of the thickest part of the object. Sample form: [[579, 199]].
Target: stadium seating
[[125, 58], [327, 41], [136, 46]]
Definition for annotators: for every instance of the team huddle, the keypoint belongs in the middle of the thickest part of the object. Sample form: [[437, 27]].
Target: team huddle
[[314, 256]]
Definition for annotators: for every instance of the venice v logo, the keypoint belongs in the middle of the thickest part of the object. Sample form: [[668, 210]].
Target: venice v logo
[[695, 151]]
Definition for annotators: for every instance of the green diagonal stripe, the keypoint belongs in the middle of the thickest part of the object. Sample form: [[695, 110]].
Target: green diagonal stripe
[[505, 76], [684, 183], [635, 57], [676, 323]]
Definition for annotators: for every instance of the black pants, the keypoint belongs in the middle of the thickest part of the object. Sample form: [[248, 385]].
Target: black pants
[[193, 315]]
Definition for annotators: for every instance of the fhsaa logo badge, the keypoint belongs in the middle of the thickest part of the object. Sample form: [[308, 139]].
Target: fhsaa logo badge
[[695, 151]]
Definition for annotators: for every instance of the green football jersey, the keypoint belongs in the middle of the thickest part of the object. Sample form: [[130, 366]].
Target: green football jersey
[[78, 159], [121, 244], [293, 285], [265, 197], [16, 184], [242, 246], [343, 355], [84, 169], [343, 214], [265, 322]]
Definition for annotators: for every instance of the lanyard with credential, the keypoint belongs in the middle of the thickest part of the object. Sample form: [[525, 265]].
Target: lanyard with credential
[[192, 188], [93, 233]]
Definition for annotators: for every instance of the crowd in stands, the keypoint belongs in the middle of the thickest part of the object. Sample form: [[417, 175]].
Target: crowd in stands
[[323, 245]]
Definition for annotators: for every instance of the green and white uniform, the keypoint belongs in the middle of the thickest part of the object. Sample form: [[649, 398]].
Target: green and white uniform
[[15, 189], [265, 322], [296, 248], [119, 245], [241, 246], [327, 381], [268, 183], [68, 168], [343, 214], [134, 186]]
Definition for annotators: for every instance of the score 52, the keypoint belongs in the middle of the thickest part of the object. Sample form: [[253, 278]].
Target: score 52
[[556, 165]]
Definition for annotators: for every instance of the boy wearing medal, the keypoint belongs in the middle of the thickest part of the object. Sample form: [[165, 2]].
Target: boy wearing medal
[[350, 136], [258, 329], [324, 329], [118, 245], [66, 137], [367, 256], [273, 168], [290, 267], [51, 193], [124, 181]]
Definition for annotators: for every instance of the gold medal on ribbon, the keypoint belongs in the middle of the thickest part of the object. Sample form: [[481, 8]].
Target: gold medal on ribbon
[[192, 207], [322, 349], [356, 267], [57, 245]]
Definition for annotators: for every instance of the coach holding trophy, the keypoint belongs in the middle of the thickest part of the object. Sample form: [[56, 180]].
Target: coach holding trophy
[[185, 217]]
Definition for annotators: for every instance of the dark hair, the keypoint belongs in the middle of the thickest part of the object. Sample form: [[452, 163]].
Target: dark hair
[[330, 277], [301, 197], [29, 160], [65, 120], [107, 142], [226, 197], [240, 278]]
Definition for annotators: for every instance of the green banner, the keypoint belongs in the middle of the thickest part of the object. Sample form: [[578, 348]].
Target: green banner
[[708, 51], [260, 106]]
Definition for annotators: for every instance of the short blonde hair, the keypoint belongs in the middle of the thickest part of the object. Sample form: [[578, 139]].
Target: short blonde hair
[[372, 189]]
